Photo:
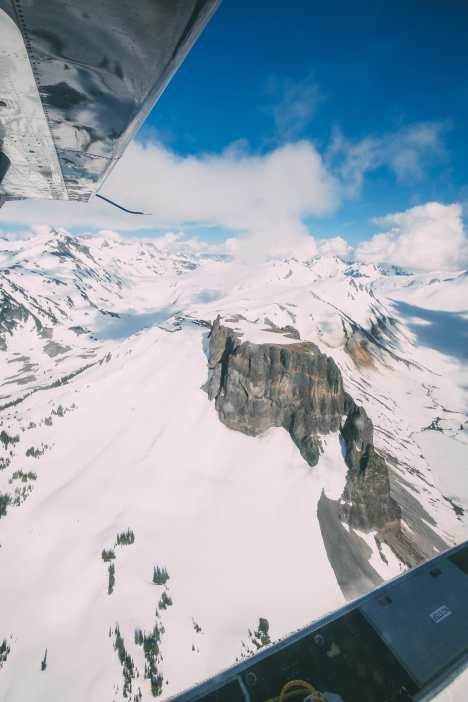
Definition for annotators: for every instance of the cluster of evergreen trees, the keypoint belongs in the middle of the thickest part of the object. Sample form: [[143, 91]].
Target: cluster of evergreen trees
[[125, 538], [5, 500], [107, 555], [36, 452], [260, 636], [150, 644], [4, 652], [149, 641], [24, 477], [126, 661], [21, 494], [160, 575], [6, 439], [165, 601], [61, 411]]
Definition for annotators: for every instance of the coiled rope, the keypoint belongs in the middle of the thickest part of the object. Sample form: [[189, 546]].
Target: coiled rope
[[287, 691]]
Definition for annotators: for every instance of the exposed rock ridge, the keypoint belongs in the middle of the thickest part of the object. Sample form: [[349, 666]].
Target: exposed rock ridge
[[299, 388], [257, 386], [366, 500]]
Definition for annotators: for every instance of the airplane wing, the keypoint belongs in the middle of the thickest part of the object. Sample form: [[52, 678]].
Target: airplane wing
[[77, 80]]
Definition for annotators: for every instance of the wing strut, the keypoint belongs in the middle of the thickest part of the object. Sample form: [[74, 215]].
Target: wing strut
[[111, 202]]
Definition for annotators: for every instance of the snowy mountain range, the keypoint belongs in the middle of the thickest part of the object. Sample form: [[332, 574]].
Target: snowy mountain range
[[148, 516]]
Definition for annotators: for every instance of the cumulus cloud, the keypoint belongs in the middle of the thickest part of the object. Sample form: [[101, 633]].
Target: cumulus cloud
[[181, 243], [427, 237], [261, 201], [35, 230], [407, 152], [334, 246], [265, 196]]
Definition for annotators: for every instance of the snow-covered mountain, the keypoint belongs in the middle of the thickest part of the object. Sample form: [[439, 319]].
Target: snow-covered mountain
[[145, 544]]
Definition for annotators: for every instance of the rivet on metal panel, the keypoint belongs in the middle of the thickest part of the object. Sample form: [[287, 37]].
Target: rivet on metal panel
[[251, 679], [319, 640], [385, 601]]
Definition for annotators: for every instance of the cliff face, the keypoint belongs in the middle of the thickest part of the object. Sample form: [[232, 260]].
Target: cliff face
[[366, 499], [295, 386], [257, 386]]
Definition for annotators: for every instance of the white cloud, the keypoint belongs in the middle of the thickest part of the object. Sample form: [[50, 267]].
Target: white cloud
[[263, 199], [407, 153], [181, 243], [428, 237], [335, 246], [170, 242], [265, 196]]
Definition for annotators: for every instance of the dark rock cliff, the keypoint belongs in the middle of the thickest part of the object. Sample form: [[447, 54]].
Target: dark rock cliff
[[258, 386], [366, 501], [299, 388]]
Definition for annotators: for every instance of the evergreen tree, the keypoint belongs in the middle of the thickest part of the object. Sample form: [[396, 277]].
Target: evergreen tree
[[138, 637], [160, 576], [110, 587], [261, 637]]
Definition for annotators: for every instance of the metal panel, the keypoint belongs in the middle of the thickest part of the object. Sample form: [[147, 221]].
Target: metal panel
[[424, 619], [100, 65], [460, 559], [24, 133]]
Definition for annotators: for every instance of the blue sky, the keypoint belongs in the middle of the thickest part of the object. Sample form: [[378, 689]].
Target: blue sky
[[367, 68]]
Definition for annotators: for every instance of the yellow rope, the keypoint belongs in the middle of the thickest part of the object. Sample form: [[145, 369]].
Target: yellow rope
[[287, 693]]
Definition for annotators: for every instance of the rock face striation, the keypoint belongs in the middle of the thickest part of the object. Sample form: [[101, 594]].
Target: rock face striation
[[258, 386], [366, 501], [299, 388]]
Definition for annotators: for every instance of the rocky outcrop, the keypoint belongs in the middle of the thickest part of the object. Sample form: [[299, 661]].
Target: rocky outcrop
[[258, 386], [296, 386], [366, 502]]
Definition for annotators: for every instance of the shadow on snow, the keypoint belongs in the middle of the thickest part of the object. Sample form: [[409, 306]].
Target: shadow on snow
[[443, 331], [130, 323]]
